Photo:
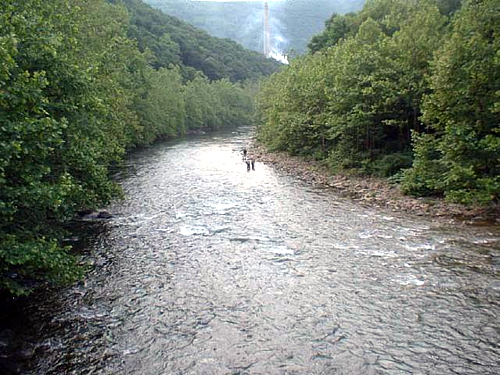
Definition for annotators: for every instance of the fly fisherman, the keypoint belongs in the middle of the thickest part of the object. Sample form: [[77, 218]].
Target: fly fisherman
[[250, 162]]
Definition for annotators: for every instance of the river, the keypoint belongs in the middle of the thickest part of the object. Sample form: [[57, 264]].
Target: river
[[207, 268]]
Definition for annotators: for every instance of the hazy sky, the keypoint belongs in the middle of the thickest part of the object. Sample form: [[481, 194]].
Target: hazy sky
[[260, 1]]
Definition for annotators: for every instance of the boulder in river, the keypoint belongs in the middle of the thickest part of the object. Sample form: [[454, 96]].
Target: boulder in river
[[94, 215]]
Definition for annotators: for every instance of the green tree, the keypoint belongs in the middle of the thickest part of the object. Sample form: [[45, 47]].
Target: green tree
[[175, 42], [47, 171], [161, 106], [337, 27], [76, 92], [356, 100], [459, 158]]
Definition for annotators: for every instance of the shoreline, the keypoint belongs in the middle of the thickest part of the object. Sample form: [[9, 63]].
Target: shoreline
[[373, 191]]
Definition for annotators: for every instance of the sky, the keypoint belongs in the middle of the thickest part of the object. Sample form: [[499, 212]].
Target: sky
[[222, 1]]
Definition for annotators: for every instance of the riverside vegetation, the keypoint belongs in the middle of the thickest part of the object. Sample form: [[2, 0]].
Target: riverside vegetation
[[82, 82], [405, 90], [402, 89]]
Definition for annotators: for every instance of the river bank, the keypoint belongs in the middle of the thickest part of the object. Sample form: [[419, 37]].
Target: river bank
[[373, 191]]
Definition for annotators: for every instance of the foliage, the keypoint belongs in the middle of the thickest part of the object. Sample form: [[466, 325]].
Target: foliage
[[337, 27], [76, 92], [173, 42], [393, 82], [159, 105], [358, 97], [462, 150], [52, 158], [213, 105]]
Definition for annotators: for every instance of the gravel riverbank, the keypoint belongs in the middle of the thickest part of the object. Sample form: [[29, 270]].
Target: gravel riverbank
[[373, 191]]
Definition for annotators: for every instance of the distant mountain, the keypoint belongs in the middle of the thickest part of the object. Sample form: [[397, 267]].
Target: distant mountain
[[293, 22], [175, 42]]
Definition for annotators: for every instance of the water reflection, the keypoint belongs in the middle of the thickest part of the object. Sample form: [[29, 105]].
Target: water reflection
[[210, 269]]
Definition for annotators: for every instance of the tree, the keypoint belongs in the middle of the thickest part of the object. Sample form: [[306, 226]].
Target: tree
[[337, 27], [75, 94], [459, 158], [46, 91], [173, 42]]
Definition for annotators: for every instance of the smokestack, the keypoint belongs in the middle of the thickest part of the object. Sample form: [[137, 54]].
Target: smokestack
[[267, 31]]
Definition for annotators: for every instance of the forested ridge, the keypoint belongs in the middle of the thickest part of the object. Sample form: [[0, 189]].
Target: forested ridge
[[408, 90], [293, 22], [82, 82], [173, 41]]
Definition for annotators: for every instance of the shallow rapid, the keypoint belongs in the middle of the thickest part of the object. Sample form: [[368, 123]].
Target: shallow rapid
[[207, 268]]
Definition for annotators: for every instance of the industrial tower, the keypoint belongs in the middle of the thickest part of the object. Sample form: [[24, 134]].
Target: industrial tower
[[267, 31]]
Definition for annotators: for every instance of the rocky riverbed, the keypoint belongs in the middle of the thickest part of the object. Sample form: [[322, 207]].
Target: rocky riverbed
[[373, 191]]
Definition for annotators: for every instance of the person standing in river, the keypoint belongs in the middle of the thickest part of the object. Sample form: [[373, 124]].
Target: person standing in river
[[250, 161]]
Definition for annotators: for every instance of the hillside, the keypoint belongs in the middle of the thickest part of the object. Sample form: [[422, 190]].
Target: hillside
[[173, 41], [293, 22]]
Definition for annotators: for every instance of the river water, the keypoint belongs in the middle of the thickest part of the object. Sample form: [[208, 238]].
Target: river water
[[207, 268]]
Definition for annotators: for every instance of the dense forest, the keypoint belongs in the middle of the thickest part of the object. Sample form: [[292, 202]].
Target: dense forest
[[293, 22], [82, 82], [403, 89], [175, 42]]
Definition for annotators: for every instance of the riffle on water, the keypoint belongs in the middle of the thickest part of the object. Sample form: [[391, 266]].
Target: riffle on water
[[207, 268]]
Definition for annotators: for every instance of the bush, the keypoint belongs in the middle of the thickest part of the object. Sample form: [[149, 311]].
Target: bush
[[391, 164]]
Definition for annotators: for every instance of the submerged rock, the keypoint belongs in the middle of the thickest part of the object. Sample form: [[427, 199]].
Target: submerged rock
[[104, 215], [94, 215]]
